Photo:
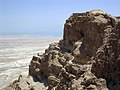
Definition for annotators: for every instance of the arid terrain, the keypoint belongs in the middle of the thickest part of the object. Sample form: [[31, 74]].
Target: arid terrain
[[87, 58]]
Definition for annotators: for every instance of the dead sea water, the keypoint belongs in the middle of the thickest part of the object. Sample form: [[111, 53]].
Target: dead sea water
[[16, 53]]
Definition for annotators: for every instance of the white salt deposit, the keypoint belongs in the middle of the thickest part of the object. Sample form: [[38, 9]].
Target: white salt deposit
[[16, 53]]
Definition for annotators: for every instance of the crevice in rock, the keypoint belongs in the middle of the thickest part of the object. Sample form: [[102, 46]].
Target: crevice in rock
[[87, 58]]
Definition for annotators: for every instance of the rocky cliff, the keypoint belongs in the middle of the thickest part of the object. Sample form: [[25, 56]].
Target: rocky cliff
[[88, 57]]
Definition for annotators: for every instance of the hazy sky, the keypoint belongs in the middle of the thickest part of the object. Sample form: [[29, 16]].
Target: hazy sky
[[46, 17]]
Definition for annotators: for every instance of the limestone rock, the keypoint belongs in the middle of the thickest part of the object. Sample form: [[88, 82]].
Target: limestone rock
[[25, 82], [87, 58]]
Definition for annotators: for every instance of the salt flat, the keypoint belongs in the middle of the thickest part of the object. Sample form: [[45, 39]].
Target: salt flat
[[16, 53]]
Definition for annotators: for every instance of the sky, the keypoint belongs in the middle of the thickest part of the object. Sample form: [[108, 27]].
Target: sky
[[46, 17]]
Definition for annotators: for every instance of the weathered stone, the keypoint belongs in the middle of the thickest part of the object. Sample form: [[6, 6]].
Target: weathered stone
[[25, 83], [52, 80], [71, 76], [62, 60], [88, 57], [55, 67]]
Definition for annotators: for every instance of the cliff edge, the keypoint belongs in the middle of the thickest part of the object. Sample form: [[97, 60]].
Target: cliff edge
[[87, 58]]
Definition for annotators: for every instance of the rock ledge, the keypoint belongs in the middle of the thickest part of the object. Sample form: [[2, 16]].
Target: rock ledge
[[88, 57]]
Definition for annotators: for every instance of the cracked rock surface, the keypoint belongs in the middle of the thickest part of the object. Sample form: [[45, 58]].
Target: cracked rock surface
[[87, 58]]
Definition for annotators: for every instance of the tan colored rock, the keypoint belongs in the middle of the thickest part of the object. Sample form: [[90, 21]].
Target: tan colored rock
[[88, 57], [97, 12], [55, 67], [25, 82], [52, 80], [89, 38]]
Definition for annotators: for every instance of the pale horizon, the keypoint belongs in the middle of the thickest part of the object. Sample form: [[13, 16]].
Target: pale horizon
[[42, 17]]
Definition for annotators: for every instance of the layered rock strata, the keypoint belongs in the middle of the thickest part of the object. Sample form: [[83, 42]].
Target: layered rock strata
[[88, 57]]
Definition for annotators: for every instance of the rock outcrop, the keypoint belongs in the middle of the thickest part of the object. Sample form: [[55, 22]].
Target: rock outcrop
[[88, 57], [26, 82]]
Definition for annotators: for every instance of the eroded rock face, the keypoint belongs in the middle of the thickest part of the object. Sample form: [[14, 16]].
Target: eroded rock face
[[107, 59], [25, 82], [88, 57]]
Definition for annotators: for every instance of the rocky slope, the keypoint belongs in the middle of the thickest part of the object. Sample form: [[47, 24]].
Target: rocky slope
[[88, 57]]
